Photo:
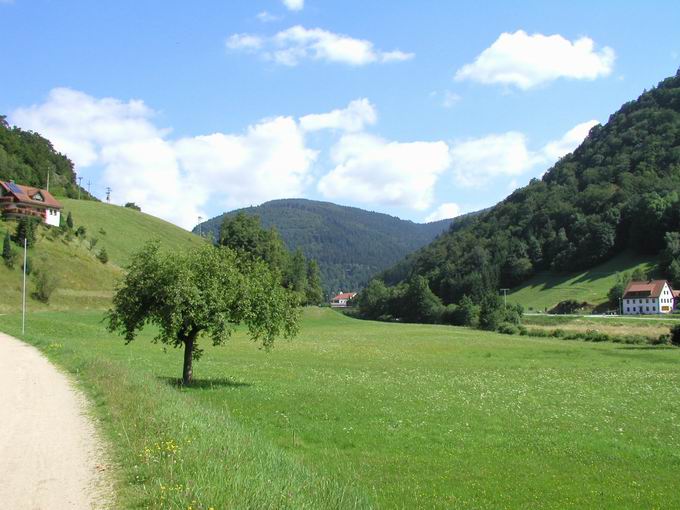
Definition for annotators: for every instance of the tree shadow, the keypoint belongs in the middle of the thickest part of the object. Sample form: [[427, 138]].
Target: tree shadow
[[205, 384]]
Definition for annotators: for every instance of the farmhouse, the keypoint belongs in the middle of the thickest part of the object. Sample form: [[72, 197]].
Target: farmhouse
[[18, 201], [652, 297], [342, 299]]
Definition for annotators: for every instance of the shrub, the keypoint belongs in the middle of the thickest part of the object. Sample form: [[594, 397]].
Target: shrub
[[132, 205], [675, 335], [26, 228], [69, 220], [103, 256], [92, 243], [81, 231], [8, 254], [45, 284], [507, 328]]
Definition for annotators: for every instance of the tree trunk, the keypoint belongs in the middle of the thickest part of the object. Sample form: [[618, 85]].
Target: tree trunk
[[187, 373]]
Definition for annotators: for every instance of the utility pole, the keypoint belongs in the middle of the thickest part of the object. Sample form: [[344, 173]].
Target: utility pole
[[48, 179], [80, 180], [23, 293], [505, 297], [88, 187], [108, 195]]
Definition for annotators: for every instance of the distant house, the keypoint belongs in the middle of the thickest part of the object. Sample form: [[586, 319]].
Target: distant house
[[18, 201], [342, 299], [651, 297]]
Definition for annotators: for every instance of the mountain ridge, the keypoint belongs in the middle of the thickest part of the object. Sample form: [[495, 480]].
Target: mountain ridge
[[350, 244]]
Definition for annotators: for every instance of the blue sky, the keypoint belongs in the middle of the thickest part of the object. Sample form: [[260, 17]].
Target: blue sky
[[418, 109]]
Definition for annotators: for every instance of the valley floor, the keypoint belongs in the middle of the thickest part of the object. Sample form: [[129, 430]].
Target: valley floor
[[358, 414]]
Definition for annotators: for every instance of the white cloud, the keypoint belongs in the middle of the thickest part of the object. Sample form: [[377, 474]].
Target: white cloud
[[526, 61], [450, 99], [266, 17], [557, 148], [443, 212], [358, 114], [295, 44], [294, 5], [376, 171], [477, 160], [244, 42], [173, 179]]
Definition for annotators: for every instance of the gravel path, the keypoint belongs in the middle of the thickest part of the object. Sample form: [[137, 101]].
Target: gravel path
[[50, 457]]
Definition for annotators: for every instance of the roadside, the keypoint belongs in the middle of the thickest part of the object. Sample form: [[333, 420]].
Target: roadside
[[50, 456]]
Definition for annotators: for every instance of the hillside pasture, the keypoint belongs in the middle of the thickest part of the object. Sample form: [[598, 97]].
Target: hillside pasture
[[358, 414], [83, 282], [546, 289]]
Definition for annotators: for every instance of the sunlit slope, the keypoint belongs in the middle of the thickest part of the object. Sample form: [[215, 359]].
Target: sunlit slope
[[125, 230], [84, 282], [544, 290]]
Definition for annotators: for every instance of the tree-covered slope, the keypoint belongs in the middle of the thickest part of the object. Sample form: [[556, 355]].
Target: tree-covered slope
[[619, 190], [350, 244], [27, 158]]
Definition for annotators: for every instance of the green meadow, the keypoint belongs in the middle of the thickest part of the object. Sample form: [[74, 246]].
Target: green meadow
[[357, 414], [546, 289]]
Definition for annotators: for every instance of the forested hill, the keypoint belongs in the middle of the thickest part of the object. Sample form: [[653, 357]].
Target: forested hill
[[618, 190], [26, 157], [351, 245]]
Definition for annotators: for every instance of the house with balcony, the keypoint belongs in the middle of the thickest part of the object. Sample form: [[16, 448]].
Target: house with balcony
[[19, 201]]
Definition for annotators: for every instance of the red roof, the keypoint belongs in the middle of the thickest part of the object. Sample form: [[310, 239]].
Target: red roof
[[344, 295], [650, 289], [27, 194]]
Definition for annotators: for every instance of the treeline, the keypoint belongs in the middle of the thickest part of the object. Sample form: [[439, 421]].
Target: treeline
[[413, 301], [245, 235], [617, 191], [350, 244], [26, 157]]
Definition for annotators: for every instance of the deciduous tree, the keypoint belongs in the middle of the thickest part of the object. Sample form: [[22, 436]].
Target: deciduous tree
[[208, 291]]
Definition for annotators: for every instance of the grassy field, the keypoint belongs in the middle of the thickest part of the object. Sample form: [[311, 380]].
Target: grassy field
[[546, 289], [83, 281], [356, 414]]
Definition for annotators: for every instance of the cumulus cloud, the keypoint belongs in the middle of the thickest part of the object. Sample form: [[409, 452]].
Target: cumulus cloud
[[476, 161], [358, 114], [294, 5], [444, 211], [245, 42], [173, 179], [557, 148], [372, 170], [295, 44], [526, 61]]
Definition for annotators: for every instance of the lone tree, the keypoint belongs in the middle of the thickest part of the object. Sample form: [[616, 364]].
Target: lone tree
[[210, 291]]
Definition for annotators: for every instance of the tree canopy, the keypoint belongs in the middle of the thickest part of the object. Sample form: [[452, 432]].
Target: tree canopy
[[208, 291]]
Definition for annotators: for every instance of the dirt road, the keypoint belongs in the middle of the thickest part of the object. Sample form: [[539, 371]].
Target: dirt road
[[49, 454]]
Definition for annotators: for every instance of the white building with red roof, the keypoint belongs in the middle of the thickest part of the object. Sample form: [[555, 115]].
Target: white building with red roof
[[342, 300], [19, 201], [648, 298]]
